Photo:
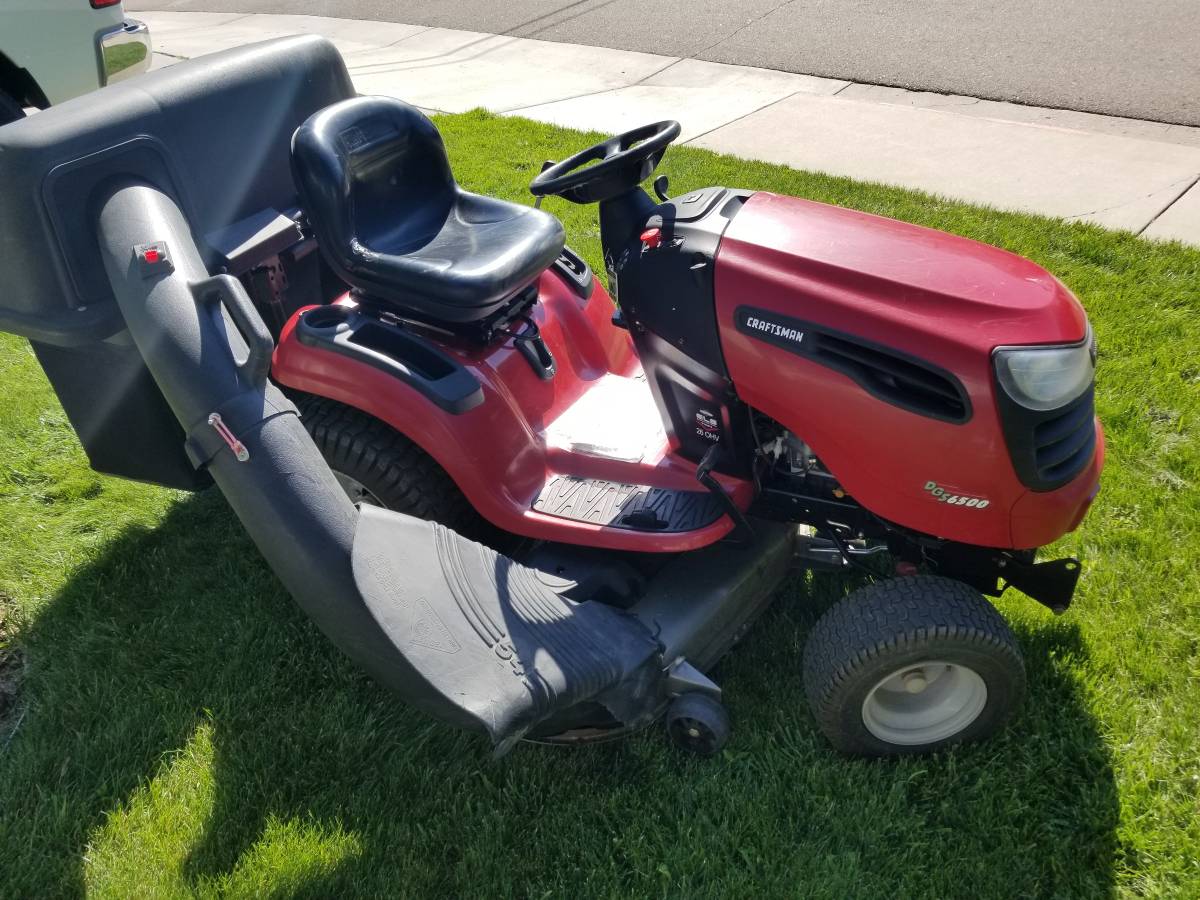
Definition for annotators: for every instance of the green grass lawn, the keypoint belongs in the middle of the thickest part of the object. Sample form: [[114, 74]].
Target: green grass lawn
[[184, 729]]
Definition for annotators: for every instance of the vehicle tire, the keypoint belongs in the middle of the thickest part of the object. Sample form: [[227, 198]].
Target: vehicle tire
[[10, 109], [698, 724], [909, 665], [379, 466]]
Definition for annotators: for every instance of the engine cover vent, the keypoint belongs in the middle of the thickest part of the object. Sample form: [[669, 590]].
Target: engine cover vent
[[899, 380], [891, 375]]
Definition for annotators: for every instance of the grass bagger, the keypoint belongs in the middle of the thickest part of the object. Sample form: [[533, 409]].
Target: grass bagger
[[531, 506]]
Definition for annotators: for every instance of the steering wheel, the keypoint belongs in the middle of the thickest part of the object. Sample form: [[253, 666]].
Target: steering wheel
[[617, 165]]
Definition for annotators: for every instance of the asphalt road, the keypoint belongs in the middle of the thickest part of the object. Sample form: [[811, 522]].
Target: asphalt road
[[1139, 59]]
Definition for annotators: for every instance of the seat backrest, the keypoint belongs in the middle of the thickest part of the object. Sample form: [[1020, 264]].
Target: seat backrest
[[372, 171]]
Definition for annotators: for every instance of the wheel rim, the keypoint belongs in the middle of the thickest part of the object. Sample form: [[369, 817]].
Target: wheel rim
[[355, 490], [924, 702], [692, 733]]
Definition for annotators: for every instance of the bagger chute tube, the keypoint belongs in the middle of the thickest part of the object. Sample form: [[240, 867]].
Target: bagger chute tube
[[532, 502]]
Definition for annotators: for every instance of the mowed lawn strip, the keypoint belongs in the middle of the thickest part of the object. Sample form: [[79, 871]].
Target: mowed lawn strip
[[185, 730]]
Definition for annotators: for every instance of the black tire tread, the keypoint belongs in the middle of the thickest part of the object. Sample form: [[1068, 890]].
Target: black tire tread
[[10, 109], [889, 618], [403, 476]]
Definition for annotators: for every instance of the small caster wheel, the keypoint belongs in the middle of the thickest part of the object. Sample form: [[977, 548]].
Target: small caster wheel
[[698, 724]]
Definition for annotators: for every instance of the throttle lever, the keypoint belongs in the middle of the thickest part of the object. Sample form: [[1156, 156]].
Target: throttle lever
[[537, 203], [661, 184]]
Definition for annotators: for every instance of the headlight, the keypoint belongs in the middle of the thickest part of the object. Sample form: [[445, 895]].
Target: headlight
[[1045, 378]]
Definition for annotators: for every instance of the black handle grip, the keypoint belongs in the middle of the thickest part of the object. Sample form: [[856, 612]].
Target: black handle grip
[[228, 291]]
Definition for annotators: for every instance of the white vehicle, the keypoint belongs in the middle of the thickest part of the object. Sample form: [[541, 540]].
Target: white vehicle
[[52, 50]]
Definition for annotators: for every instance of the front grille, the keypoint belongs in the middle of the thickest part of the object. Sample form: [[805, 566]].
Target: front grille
[[901, 382], [1049, 449], [1064, 445]]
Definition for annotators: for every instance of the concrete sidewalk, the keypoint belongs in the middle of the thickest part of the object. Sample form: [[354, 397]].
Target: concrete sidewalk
[[1120, 173]]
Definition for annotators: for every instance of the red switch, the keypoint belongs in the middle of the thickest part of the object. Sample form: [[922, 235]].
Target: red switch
[[651, 238], [154, 259]]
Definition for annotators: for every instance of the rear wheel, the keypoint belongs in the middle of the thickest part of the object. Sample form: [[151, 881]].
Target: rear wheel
[[377, 465], [10, 109], [909, 665]]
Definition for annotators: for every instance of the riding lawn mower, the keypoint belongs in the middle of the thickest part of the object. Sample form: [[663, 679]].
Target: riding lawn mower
[[534, 506]]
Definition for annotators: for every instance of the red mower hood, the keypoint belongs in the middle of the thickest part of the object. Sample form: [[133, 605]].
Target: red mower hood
[[915, 278], [918, 296]]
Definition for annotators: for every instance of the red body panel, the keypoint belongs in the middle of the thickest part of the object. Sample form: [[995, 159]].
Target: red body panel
[[944, 299], [497, 453]]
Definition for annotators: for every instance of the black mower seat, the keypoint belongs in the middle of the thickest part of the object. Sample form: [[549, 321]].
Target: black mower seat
[[376, 183]]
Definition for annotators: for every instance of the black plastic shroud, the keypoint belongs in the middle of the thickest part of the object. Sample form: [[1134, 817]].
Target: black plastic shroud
[[667, 298]]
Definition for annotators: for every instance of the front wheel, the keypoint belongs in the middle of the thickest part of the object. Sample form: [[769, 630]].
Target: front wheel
[[909, 665]]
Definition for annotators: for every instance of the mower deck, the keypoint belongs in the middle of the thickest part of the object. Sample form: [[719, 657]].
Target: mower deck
[[524, 649]]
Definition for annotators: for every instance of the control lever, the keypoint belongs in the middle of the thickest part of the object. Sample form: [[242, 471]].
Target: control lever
[[704, 476], [531, 346], [661, 184], [537, 203]]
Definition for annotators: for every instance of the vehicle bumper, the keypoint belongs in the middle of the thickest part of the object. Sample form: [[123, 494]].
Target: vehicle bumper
[[1039, 518], [125, 51]]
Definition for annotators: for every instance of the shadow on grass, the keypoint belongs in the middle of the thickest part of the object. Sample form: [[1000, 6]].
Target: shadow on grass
[[183, 629]]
